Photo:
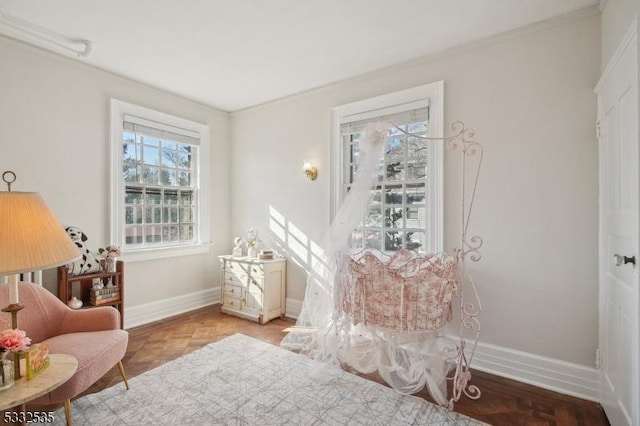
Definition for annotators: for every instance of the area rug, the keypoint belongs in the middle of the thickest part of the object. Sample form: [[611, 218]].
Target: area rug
[[243, 381]]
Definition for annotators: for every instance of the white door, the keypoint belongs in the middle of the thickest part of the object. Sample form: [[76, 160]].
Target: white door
[[618, 335]]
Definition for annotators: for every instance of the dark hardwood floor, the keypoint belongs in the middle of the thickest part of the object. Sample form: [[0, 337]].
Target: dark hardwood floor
[[503, 401]]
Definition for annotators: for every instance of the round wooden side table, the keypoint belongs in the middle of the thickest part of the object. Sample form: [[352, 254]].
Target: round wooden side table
[[61, 368]]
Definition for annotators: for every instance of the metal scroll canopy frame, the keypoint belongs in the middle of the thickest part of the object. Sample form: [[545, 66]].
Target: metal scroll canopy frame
[[461, 140]]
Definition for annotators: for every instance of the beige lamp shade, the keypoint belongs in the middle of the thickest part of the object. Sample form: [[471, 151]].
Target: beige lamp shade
[[31, 238]]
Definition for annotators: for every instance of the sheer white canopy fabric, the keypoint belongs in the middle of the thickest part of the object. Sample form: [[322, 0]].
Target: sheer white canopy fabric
[[318, 319], [375, 312]]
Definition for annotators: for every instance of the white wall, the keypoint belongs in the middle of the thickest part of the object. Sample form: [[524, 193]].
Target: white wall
[[616, 19], [529, 96], [54, 133]]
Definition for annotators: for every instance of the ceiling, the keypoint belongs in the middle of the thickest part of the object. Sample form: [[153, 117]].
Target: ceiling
[[234, 54]]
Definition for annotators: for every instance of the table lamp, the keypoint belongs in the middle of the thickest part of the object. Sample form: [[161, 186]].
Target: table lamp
[[31, 238]]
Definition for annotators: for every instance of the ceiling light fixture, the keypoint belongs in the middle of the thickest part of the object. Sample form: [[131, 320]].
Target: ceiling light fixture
[[22, 30]]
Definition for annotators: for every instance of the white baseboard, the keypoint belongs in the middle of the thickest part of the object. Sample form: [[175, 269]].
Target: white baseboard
[[547, 373], [293, 308], [161, 309], [155, 311]]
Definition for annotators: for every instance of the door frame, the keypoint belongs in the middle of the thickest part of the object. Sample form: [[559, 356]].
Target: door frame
[[631, 40]]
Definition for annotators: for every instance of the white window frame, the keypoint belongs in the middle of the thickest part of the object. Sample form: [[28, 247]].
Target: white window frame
[[429, 95], [117, 229]]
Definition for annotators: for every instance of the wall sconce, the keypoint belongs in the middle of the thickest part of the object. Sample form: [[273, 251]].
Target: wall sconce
[[309, 170]]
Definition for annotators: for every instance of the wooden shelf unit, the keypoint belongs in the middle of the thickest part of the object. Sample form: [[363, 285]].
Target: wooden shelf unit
[[85, 281]]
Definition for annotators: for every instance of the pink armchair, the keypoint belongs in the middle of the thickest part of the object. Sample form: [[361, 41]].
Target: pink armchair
[[93, 336]]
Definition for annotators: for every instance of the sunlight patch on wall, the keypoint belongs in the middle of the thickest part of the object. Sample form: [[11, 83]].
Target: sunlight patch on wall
[[295, 244], [318, 262], [298, 241], [277, 224]]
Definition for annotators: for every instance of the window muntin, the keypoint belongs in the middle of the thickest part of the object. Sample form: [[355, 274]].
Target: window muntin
[[397, 215], [160, 192], [406, 207], [160, 197]]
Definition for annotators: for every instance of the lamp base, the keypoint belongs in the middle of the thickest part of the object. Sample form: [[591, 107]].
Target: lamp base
[[13, 309]]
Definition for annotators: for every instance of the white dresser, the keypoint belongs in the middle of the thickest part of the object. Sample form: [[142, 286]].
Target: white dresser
[[253, 289]]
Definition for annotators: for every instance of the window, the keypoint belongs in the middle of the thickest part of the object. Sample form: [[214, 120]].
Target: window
[[405, 210], [159, 182]]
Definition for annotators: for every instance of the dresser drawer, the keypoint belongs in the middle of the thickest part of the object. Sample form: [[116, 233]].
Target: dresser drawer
[[235, 279], [231, 301], [245, 277], [256, 271], [232, 290], [254, 282], [237, 269]]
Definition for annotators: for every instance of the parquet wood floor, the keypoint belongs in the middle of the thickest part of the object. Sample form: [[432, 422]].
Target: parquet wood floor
[[504, 402]]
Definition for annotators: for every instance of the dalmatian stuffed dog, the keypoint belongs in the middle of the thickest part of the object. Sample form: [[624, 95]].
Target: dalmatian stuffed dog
[[88, 262]]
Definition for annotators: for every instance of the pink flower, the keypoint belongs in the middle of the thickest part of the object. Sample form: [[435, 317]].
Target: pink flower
[[110, 251], [14, 340]]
